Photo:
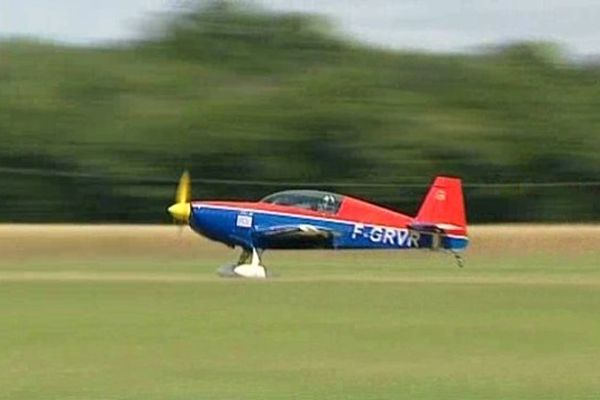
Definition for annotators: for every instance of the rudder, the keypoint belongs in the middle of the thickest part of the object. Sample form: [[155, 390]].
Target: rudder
[[444, 204]]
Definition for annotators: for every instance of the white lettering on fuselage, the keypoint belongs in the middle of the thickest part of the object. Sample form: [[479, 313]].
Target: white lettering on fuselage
[[388, 236], [403, 235], [358, 230], [414, 239], [376, 234], [400, 237]]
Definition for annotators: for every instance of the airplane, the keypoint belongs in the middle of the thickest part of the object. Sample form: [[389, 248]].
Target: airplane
[[314, 219]]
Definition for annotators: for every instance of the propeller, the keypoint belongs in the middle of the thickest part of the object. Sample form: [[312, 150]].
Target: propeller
[[181, 210]]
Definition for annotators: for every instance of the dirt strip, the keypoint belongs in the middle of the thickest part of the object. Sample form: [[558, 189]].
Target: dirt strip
[[21, 242]]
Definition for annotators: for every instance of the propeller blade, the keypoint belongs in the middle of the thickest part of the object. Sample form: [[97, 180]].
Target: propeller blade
[[184, 189]]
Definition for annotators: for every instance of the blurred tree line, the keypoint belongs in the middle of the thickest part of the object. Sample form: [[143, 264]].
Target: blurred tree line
[[236, 93]]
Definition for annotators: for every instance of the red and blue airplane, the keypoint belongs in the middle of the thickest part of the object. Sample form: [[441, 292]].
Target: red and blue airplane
[[311, 219]]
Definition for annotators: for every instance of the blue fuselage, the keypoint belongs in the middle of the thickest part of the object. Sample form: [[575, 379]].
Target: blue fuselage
[[241, 227]]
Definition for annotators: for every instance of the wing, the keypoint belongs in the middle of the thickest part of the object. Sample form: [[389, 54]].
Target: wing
[[295, 237]]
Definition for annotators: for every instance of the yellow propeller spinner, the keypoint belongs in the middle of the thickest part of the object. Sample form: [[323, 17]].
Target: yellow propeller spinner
[[182, 209]]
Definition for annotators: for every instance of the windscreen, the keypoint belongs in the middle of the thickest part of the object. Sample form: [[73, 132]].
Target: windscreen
[[314, 200]]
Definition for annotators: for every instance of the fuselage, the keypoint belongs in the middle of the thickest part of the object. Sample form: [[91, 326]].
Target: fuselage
[[354, 224]]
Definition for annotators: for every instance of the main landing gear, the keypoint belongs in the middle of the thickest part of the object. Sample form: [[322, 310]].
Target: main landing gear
[[248, 266]]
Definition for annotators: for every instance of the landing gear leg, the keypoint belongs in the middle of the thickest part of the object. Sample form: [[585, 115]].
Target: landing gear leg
[[243, 269], [459, 260], [244, 257]]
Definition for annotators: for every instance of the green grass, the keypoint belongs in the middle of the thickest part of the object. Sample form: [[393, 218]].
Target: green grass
[[331, 326]]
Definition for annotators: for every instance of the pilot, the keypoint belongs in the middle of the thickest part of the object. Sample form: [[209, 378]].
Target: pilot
[[328, 204]]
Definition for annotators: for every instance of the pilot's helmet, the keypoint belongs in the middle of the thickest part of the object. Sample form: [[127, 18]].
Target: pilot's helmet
[[328, 202]]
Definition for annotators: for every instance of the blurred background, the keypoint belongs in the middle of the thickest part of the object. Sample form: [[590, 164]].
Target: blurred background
[[103, 105]]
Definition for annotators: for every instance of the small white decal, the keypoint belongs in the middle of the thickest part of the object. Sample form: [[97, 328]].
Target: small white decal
[[244, 221], [440, 195]]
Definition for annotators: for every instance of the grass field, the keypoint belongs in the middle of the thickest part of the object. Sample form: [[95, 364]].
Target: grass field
[[138, 313]]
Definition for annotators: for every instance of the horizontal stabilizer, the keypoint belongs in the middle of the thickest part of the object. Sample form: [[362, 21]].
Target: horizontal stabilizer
[[434, 228]]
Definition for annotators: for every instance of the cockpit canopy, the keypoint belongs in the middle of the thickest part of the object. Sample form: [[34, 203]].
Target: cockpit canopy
[[314, 200]]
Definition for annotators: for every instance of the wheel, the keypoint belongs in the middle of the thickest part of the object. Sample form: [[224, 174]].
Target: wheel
[[243, 271]]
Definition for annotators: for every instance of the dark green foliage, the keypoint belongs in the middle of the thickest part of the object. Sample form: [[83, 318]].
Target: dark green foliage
[[238, 93]]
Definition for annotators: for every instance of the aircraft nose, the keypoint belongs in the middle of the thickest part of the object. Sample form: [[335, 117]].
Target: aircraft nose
[[181, 211]]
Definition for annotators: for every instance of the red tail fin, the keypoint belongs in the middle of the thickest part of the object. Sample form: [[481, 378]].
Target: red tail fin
[[444, 204]]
